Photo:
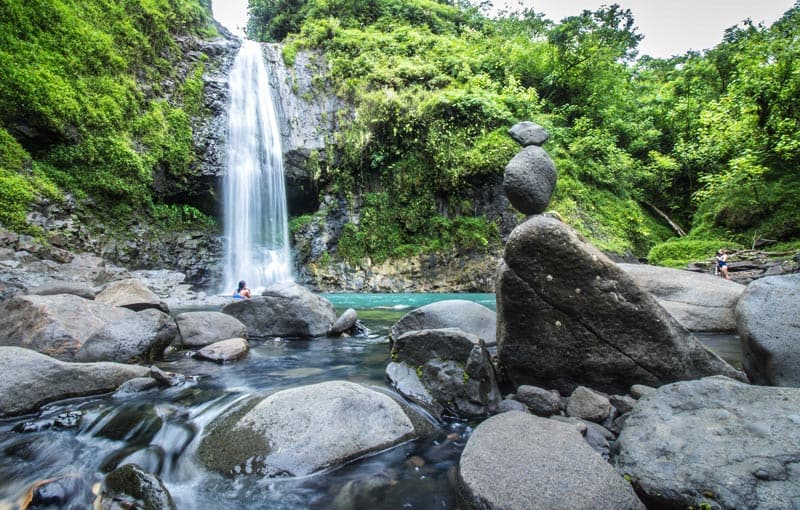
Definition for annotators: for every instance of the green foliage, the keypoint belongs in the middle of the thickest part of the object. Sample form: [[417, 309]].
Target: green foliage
[[299, 222], [73, 73], [178, 217], [679, 252]]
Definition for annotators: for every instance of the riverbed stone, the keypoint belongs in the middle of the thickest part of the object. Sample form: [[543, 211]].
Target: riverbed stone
[[468, 316], [528, 133], [29, 380], [699, 301], [344, 323], [299, 431], [142, 336], [768, 322], [132, 482], [517, 461], [568, 316], [588, 405], [714, 441], [130, 293], [224, 350], [284, 310], [530, 180], [454, 367], [539, 401], [198, 329], [55, 325]]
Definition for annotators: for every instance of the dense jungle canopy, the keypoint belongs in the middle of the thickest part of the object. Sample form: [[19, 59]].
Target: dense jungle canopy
[[710, 140]]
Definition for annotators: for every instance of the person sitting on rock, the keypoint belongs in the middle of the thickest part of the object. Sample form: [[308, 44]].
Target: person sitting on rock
[[242, 292], [722, 264]]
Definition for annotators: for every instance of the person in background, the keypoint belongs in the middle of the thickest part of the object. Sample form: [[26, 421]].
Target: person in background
[[242, 292], [722, 264]]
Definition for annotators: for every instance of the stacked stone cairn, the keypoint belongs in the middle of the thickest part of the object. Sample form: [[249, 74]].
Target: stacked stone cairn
[[614, 404]]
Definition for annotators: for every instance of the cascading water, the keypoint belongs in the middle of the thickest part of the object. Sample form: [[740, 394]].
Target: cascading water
[[254, 195]]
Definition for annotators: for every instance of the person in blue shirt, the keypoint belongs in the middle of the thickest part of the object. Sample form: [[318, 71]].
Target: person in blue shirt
[[722, 264], [242, 292]]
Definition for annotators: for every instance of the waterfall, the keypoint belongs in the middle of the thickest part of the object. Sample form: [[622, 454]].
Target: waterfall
[[254, 195]]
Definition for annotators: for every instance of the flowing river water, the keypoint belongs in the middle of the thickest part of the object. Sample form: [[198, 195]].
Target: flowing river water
[[160, 430]]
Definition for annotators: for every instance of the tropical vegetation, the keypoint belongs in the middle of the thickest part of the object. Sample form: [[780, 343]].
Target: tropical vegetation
[[708, 143]]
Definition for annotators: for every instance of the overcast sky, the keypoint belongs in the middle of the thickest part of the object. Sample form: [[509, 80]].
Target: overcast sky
[[670, 27]]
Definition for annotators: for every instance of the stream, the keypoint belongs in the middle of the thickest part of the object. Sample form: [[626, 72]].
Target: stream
[[82, 439]]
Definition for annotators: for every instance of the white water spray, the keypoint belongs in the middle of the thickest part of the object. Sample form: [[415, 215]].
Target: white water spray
[[254, 195]]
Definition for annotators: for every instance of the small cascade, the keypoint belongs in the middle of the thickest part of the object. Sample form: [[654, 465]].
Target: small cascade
[[254, 194]]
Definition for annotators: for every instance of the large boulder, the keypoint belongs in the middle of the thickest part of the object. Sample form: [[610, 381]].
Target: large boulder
[[699, 301], [516, 461], [714, 443], [130, 293], [768, 322], [453, 367], [568, 316], [28, 380], [467, 316], [285, 310], [55, 325], [198, 329], [298, 431], [142, 336], [530, 180]]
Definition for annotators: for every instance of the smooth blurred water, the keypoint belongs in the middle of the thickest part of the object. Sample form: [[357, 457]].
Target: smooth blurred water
[[160, 430]]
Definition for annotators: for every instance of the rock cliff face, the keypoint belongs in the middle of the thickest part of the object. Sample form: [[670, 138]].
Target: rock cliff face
[[309, 115]]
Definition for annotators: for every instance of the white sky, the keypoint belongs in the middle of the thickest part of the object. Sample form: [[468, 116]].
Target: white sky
[[670, 27]]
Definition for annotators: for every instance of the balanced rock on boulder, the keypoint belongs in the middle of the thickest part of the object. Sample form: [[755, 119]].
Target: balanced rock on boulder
[[568, 316], [530, 180]]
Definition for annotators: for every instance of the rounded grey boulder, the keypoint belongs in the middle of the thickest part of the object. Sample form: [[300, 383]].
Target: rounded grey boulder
[[225, 350], [468, 316], [130, 293], [699, 301], [55, 325], [517, 461], [142, 336], [28, 380], [198, 329], [768, 322], [530, 180], [298, 431]]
